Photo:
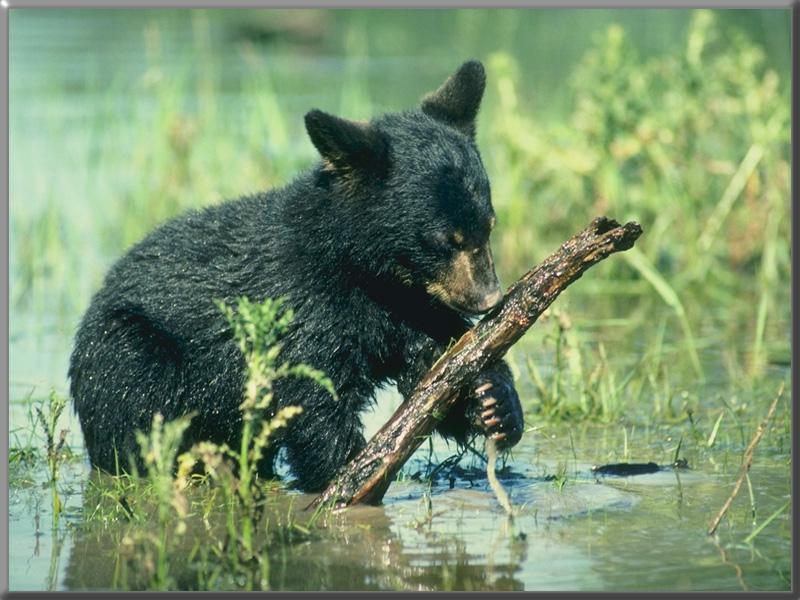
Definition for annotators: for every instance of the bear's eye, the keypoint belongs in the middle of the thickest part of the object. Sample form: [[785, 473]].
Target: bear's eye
[[457, 240]]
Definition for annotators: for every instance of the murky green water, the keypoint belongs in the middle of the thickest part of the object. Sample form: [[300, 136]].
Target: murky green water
[[646, 532], [71, 98]]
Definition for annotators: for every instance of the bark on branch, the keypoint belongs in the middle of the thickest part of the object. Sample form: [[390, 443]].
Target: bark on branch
[[367, 476]]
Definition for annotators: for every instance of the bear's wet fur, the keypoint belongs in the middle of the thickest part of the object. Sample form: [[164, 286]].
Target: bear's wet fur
[[381, 250]]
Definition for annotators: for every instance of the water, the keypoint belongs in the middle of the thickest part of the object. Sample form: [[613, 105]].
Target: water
[[646, 532], [639, 533], [82, 82]]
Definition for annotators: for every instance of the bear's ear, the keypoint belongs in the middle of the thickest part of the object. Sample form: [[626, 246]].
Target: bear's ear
[[346, 145], [457, 101]]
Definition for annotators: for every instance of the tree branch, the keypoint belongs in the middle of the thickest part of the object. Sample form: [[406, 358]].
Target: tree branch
[[368, 475]]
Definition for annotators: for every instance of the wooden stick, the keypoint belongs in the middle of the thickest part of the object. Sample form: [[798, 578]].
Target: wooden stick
[[747, 460], [368, 475], [494, 483]]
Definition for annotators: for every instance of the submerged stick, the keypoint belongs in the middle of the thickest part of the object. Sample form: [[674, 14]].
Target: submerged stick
[[747, 461], [368, 475], [494, 483]]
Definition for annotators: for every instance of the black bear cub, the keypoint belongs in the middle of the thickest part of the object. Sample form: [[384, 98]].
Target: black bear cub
[[382, 251]]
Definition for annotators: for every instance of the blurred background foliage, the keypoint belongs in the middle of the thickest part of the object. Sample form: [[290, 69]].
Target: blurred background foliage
[[678, 119]]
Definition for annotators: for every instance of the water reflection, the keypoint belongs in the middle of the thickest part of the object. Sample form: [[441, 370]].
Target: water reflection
[[421, 538]]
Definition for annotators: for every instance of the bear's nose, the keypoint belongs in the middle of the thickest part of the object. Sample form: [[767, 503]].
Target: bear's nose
[[490, 301]]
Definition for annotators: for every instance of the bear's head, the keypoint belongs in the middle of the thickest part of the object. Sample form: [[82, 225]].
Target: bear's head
[[415, 193]]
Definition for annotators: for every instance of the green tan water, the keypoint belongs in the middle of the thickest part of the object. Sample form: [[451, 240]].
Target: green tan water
[[646, 532]]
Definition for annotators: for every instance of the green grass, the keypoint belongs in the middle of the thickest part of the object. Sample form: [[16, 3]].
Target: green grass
[[693, 144]]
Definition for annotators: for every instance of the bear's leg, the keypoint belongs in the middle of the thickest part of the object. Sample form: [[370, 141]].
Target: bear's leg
[[123, 370], [490, 406], [321, 439], [493, 407]]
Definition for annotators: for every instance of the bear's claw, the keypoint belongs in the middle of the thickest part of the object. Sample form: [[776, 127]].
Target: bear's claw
[[499, 414]]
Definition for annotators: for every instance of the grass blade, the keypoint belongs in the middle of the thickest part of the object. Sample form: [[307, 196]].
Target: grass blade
[[725, 204], [645, 268], [766, 522], [712, 438]]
